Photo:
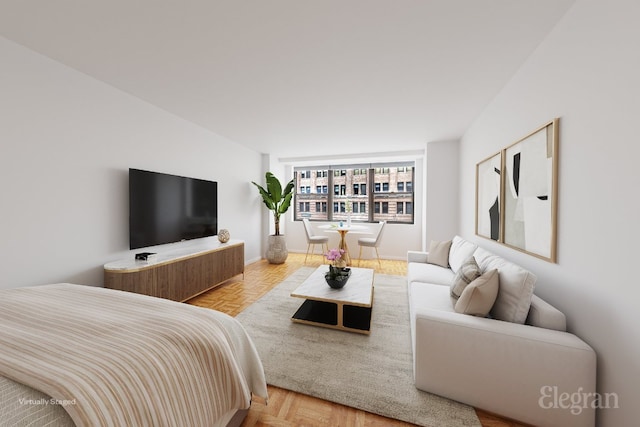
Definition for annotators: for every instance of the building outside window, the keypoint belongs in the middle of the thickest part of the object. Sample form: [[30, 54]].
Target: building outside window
[[391, 198]]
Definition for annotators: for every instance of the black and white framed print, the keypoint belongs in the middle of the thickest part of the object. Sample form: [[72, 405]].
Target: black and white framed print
[[529, 193], [488, 181]]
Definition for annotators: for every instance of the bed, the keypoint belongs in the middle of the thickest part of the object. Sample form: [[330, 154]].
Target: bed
[[87, 356]]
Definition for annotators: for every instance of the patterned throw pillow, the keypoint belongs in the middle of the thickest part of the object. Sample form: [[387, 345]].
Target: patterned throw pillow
[[468, 272]]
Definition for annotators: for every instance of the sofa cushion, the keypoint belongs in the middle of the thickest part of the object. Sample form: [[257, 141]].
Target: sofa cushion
[[544, 315], [439, 253], [516, 287], [422, 295], [479, 296], [460, 251], [429, 273], [467, 273]]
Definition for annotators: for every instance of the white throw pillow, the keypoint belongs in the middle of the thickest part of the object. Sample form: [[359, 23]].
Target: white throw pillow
[[439, 253], [460, 251], [480, 295]]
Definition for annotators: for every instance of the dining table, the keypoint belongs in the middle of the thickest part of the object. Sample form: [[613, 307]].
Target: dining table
[[343, 228]]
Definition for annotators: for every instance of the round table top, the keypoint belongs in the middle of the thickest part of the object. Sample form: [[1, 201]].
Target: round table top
[[343, 227]]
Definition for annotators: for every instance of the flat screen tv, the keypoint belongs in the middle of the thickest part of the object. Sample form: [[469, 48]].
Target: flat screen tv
[[168, 208]]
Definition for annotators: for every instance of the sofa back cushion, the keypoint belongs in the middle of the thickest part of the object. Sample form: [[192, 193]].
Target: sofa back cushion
[[516, 287], [460, 251]]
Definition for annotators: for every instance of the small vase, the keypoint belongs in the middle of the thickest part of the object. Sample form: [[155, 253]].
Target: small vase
[[337, 277]]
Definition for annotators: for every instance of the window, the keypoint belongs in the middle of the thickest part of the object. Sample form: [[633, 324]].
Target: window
[[304, 206], [390, 200], [321, 206]]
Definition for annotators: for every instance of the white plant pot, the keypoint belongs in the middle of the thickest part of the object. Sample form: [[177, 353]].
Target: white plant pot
[[277, 249]]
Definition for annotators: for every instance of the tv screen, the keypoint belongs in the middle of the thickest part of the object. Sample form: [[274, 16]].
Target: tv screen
[[168, 208]]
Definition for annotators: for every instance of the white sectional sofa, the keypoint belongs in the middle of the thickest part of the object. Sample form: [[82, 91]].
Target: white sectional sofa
[[518, 367]]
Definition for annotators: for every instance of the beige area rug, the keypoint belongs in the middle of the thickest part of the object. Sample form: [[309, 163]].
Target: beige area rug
[[373, 373]]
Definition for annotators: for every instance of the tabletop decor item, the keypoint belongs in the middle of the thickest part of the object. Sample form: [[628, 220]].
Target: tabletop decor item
[[337, 275], [223, 235]]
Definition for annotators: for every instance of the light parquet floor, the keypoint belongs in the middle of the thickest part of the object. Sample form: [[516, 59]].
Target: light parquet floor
[[287, 408]]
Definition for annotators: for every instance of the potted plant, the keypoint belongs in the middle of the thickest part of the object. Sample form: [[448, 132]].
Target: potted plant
[[277, 200], [338, 274]]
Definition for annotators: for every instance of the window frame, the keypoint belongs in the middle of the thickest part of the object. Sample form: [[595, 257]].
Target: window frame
[[349, 181]]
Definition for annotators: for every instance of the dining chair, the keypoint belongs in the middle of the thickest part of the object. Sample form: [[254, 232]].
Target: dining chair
[[313, 240], [372, 242]]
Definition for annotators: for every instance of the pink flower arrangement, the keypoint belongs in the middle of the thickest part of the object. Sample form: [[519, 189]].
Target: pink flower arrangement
[[334, 255]]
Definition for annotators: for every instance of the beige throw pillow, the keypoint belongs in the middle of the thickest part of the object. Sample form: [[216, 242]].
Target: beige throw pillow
[[439, 253], [480, 295], [467, 273]]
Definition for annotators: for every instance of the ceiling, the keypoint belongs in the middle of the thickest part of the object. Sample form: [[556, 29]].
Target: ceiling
[[297, 78]]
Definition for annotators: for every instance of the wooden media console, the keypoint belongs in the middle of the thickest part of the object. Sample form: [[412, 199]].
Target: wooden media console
[[178, 275]]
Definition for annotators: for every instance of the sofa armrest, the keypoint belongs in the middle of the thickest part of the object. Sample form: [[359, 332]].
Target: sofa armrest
[[417, 256], [503, 367]]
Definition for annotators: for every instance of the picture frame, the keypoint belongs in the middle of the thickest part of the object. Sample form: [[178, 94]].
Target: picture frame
[[529, 193], [488, 197]]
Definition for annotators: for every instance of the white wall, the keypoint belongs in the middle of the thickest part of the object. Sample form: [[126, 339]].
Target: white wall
[[442, 198], [67, 141], [585, 72]]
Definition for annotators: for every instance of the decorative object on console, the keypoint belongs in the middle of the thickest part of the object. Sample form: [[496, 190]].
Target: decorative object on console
[[277, 200], [223, 235], [488, 178], [337, 275], [529, 192]]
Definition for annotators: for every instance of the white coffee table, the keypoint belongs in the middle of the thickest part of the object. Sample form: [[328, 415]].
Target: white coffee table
[[346, 309]]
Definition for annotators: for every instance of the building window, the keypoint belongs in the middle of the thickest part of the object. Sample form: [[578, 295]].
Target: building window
[[321, 207], [391, 197]]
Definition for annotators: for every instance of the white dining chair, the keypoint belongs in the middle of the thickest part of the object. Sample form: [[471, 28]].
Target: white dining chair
[[313, 240], [372, 242]]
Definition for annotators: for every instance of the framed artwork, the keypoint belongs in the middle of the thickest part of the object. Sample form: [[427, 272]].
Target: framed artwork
[[530, 193], [488, 195]]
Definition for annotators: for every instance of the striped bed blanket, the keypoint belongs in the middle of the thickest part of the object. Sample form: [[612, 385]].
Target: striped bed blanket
[[113, 358]]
